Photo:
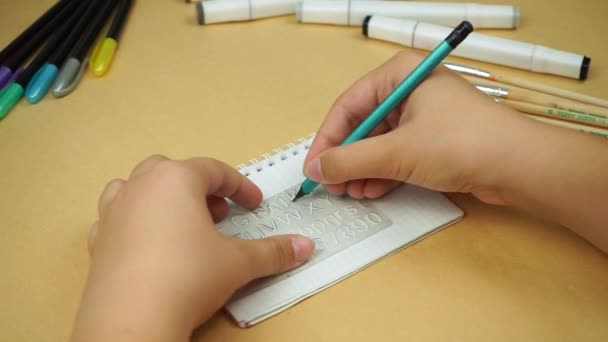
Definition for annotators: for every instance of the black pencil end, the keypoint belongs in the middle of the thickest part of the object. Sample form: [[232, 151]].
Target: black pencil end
[[459, 34]]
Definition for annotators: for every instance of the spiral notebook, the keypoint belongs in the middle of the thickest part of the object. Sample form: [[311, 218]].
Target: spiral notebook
[[349, 234]]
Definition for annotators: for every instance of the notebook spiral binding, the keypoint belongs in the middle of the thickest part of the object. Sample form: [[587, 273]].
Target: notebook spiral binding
[[278, 155]]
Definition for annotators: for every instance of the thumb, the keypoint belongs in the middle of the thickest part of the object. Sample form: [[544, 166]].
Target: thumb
[[277, 254], [375, 157]]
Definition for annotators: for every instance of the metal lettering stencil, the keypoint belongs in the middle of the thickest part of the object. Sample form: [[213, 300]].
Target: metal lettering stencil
[[334, 223]]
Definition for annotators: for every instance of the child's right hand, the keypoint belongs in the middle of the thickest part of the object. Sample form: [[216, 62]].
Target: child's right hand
[[450, 137], [446, 136]]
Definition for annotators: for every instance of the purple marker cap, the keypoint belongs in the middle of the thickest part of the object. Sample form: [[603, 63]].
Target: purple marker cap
[[6, 75], [16, 74]]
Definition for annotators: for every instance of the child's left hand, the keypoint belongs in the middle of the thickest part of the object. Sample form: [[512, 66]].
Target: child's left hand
[[159, 266]]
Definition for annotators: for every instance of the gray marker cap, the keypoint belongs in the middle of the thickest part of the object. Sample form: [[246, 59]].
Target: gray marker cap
[[69, 76]]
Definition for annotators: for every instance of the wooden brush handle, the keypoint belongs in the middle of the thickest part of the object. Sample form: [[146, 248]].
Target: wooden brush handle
[[555, 113]]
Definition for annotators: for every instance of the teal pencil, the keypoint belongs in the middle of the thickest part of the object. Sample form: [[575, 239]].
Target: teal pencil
[[400, 92]]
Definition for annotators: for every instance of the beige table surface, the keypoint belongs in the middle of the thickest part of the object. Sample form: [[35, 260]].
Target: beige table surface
[[235, 91]]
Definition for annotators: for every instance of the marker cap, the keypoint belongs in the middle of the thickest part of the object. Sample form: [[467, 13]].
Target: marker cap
[[552, 61], [102, 56], [209, 12], [40, 83], [9, 97], [6, 75], [326, 12], [584, 68], [16, 74], [69, 76]]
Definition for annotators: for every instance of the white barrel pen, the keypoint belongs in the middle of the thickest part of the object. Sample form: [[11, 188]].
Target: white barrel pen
[[220, 11], [480, 47], [352, 12]]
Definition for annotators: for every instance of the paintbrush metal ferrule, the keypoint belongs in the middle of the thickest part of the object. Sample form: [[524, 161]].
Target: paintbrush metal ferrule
[[493, 91], [463, 69]]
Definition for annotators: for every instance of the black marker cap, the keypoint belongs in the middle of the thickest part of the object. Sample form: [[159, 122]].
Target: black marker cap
[[200, 13], [459, 34], [365, 23], [584, 68]]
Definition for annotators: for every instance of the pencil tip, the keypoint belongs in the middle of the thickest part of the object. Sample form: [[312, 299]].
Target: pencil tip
[[300, 194]]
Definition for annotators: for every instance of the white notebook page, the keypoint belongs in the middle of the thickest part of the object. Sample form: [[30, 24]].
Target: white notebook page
[[413, 214]]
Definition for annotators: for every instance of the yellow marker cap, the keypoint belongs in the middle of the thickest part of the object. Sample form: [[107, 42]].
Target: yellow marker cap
[[102, 56]]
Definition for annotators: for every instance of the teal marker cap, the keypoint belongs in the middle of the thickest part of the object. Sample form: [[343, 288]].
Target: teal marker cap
[[9, 97], [41, 83]]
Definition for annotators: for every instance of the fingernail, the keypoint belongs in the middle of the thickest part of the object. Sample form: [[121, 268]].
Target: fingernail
[[302, 248], [313, 170]]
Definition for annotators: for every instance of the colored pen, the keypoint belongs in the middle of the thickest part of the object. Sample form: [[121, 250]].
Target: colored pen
[[72, 70], [14, 91], [400, 92], [44, 77], [32, 29], [104, 51], [14, 76], [20, 49]]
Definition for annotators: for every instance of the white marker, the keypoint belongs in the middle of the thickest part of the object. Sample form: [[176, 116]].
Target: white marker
[[209, 12], [352, 12], [478, 46]]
